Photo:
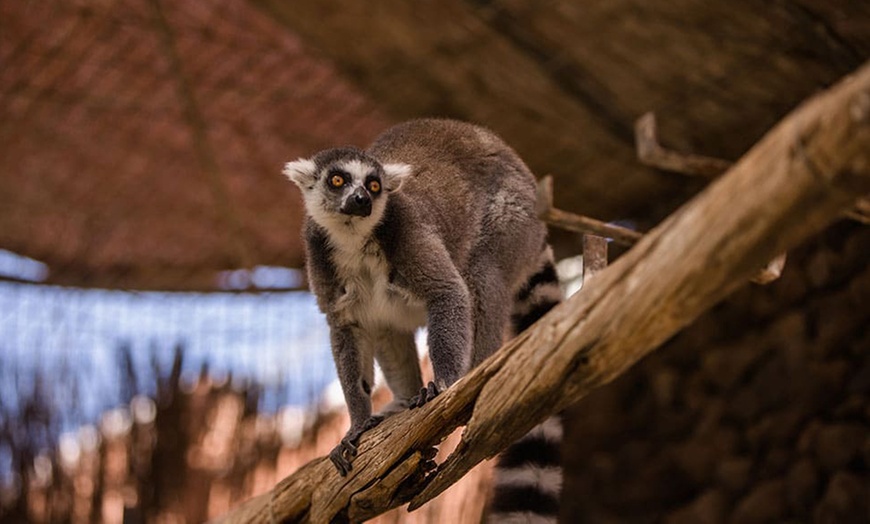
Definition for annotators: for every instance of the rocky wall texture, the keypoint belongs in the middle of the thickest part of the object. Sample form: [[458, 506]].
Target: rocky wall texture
[[758, 412]]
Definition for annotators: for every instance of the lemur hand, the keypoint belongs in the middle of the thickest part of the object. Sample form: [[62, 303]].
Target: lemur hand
[[426, 394], [342, 455]]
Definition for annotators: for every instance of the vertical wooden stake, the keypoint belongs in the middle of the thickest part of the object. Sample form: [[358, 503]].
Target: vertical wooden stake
[[594, 255]]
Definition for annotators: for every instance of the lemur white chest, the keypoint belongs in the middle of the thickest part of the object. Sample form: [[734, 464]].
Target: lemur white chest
[[370, 299]]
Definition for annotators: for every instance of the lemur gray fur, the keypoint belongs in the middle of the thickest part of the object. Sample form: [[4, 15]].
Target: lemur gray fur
[[435, 225]]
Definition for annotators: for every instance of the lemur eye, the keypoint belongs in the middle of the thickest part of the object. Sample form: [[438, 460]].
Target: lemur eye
[[336, 181], [374, 186]]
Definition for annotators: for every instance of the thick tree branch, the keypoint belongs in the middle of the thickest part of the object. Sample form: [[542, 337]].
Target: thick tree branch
[[795, 181]]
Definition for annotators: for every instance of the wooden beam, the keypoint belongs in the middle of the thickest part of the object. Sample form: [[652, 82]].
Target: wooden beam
[[789, 186]]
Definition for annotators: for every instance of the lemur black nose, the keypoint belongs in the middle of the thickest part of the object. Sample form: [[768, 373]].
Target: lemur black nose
[[358, 203]]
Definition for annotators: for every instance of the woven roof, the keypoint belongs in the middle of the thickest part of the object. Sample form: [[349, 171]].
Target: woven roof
[[141, 143]]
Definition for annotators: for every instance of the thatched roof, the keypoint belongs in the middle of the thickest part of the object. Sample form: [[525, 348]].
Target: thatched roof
[[144, 148], [141, 140]]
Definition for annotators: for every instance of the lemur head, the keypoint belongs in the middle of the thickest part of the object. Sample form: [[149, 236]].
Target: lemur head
[[346, 190]]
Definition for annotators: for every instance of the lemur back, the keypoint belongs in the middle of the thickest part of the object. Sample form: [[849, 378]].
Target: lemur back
[[434, 224], [472, 195]]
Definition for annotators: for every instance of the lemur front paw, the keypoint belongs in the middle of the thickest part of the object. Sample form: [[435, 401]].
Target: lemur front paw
[[342, 455], [427, 393]]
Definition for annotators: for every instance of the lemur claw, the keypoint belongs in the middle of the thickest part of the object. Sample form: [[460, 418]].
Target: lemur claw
[[342, 455], [427, 393]]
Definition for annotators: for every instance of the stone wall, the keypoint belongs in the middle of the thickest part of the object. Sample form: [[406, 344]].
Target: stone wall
[[758, 412]]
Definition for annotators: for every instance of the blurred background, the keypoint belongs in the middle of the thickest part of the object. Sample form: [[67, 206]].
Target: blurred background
[[161, 361]]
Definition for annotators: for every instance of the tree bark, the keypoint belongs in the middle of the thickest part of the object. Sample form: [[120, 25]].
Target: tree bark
[[794, 182]]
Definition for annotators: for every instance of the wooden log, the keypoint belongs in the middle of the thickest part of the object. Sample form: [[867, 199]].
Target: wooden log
[[794, 182]]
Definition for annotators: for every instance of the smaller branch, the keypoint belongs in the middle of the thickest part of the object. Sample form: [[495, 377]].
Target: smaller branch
[[621, 235], [579, 223], [650, 152]]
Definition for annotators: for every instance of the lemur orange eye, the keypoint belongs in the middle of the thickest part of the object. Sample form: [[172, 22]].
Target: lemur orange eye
[[336, 181], [374, 186]]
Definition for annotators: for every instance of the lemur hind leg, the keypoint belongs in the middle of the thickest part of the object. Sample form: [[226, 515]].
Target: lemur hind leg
[[396, 354], [503, 258], [492, 302]]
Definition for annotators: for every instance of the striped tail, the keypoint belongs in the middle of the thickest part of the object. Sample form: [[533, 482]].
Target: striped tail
[[528, 477], [539, 294], [528, 474]]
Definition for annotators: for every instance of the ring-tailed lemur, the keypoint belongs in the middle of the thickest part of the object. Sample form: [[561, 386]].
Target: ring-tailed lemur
[[434, 224]]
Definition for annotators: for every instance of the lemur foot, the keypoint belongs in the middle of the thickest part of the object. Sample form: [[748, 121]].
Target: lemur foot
[[342, 455], [426, 394]]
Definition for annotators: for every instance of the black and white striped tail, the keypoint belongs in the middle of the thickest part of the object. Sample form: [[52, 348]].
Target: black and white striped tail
[[528, 475], [539, 294]]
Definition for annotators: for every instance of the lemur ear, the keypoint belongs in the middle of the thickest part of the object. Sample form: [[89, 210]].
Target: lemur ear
[[395, 174], [302, 172]]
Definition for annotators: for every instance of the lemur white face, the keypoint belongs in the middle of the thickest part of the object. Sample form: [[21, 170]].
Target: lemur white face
[[345, 191]]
